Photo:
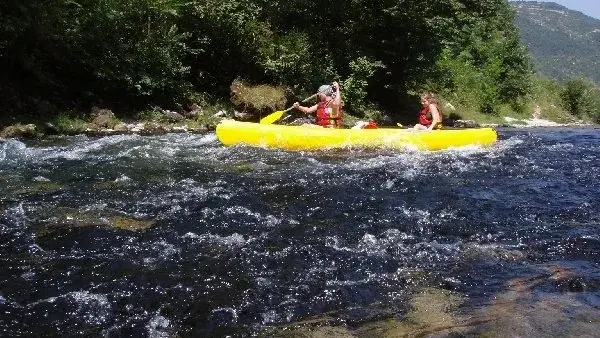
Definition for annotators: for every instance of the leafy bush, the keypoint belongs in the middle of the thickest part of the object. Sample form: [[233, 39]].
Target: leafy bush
[[140, 52], [66, 123], [581, 97], [355, 88], [151, 115]]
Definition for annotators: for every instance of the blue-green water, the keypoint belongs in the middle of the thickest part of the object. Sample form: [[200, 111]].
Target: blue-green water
[[176, 235]]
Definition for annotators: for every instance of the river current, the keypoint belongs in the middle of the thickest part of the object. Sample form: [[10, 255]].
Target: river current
[[179, 236]]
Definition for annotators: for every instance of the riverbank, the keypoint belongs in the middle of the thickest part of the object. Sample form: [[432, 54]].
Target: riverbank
[[103, 122], [201, 124]]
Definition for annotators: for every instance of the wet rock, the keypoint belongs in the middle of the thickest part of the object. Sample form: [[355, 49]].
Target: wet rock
[[50, 128], [173, 116], [251, 102], [566, 280], [490, 253], [220, 113], [522, 311], [154, 127], [136, 127], [465, 124], [131, 224], [432, 311], [19, 130], [193, 111], [38, 187], [180, 129], [103, 118], [68, 218], [121, 127], [243, 116]]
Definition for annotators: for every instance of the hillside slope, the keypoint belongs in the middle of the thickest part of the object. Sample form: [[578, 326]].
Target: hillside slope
[[563, 43]]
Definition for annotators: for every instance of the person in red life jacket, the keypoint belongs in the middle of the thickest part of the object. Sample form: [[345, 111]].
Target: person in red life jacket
[[329, 106], [430, 116]]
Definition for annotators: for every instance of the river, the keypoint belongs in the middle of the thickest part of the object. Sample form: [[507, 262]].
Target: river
[[179, 236]]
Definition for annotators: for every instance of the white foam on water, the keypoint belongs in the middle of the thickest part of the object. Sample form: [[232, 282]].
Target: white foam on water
[[369, 245], [11, 150], [503, 146], [534, 122], [263, 282], [92, 307], [158, 327], [123, 178], [16, 214], [268, 220], [81, 149], [421, 217], [227, 315], [270, 317], [233, 241], [28, 276]]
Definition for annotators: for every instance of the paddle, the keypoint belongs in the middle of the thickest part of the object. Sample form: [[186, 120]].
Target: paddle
[[271, 118]]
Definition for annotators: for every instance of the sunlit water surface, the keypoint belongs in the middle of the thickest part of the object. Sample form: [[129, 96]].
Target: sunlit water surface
[[177, 235]]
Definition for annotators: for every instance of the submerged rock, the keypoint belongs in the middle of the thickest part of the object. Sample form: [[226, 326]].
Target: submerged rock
[[39, 187], [131, 224], [70, 219]]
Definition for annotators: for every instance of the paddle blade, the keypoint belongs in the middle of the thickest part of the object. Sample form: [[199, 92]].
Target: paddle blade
[[271, 118]]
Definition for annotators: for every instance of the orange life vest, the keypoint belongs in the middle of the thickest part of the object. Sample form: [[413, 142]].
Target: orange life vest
[[327, 117]]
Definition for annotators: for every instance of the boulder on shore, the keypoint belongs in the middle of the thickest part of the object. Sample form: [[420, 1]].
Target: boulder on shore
[[19, 130], [102, 117], [254, 102], [465, 124]]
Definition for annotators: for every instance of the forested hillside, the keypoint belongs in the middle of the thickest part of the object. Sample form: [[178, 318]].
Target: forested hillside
[[71, 54], [563, 43]]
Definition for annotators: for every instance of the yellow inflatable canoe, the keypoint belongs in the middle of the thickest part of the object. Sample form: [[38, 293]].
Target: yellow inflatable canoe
[[231, 132]]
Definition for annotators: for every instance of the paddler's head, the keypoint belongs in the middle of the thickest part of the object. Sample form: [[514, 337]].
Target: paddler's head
[[428, 98], [325, 92]]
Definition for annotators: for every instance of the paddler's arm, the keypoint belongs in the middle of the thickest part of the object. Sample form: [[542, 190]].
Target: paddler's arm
[[305, 110], [435, 114], [337, 100]]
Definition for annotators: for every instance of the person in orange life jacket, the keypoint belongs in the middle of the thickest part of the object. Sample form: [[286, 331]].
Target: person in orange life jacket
[[430, 116], [329, 106]]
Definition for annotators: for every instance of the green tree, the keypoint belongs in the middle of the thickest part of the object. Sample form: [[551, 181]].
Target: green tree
[[78, 49], [581, 98]]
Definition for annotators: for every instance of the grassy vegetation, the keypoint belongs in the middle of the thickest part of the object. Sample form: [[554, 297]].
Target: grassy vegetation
[[66, 123], [545, 101]]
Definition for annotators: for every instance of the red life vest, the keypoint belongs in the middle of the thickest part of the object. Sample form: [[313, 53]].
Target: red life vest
[[425, 116], [325, 117]]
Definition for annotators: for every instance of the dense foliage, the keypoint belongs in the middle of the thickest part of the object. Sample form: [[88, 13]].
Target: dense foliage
[[581, 98], [74, 53]]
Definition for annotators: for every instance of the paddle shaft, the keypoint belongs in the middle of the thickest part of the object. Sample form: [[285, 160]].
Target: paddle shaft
[[278, 114], [306, 99]]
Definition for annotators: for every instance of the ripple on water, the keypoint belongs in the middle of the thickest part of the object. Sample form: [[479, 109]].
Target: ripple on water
[[248, 237]]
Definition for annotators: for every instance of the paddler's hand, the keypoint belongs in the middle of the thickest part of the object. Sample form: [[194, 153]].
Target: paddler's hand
[[299, 107]]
